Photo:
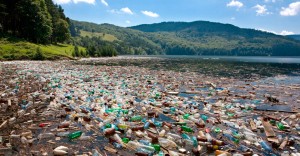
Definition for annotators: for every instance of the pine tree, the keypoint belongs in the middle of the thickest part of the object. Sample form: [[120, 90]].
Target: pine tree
[[36, 22]]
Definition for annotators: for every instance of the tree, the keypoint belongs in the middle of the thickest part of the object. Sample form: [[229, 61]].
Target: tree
[[61, 31], [73, 30], [36, 25], [76, 51], [3, 13], [60, 23]]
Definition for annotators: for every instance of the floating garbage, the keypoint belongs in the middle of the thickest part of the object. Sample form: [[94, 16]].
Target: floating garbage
[[67, 108]]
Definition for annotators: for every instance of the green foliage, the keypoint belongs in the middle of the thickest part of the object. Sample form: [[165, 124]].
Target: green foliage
[[296, 37], [11, 49], [38, 21], [38, 54], [183, 38], [76, 51]]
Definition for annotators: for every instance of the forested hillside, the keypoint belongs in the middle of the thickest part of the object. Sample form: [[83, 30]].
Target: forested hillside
[[296, 37], [188, 38]]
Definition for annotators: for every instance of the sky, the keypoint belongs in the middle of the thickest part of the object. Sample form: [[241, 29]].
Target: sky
[[277, 16]]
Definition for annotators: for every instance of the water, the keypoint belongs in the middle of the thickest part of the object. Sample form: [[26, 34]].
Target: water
[[221, 66], [255, 59]]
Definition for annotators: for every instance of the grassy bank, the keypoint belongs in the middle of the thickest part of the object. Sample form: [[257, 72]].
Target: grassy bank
[[17, 49]]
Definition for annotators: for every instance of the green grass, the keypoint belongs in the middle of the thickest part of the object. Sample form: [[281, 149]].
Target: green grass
[[17, 49], [105, 37]]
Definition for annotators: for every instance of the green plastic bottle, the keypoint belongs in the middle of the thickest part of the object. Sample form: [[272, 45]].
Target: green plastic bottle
[[125, 140], [230, 114], [136, 118], [74, 135], [272, 122], [108, 125], [186, 116], [187, 129], [217, 130], [125, 111], [156, 147], [280, 126]]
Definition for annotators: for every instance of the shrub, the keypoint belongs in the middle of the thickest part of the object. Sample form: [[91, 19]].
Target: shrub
[[38, 54]]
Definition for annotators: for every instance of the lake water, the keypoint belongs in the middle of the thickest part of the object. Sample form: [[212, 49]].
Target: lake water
[[217, 66], [255, 59]]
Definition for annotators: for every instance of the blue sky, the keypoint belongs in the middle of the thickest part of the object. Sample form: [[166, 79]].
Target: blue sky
[[278, 16]]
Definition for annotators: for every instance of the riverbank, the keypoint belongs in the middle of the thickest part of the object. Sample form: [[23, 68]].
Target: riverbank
[[17, 49]]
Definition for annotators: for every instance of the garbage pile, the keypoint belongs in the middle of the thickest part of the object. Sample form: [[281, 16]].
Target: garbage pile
[[59, 108]]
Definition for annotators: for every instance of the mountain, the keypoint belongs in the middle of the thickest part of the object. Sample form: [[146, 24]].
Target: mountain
[[186, 38], [296, 37]]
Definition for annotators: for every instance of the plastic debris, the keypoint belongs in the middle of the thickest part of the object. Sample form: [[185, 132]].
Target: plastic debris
[[78, 108]]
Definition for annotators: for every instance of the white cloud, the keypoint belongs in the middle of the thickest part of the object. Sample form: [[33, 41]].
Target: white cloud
[[114, 11], [121, 11], [267, 1], [104, 2], [128, 22], [235, 3], [61, 1], [150, 14], [284, 32], [127, 11], [232, 18], [85, 1], [292, 10], [74, 1], [261, 10]]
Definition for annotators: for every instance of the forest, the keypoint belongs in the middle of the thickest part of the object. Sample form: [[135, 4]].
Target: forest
[[189, 38]]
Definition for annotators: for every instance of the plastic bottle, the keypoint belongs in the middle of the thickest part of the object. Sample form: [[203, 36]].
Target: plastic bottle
[[145, 142], [136, 118], [185, 136], [167, 143], [187, 129], [75, 135], [195, 141], [280, 126], [63, 134], [123, 126], [144, 150], [230, 137], [204, 117], [146, 125], [46, 135], [265, 146], [156, 147], [117, 145], [125, 140], [186, 116]]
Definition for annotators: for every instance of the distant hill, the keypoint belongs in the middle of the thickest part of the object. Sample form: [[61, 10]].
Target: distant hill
[[188, 38], [296, 37]]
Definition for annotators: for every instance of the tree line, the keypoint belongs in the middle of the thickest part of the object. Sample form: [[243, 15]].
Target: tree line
[[38, 21]]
